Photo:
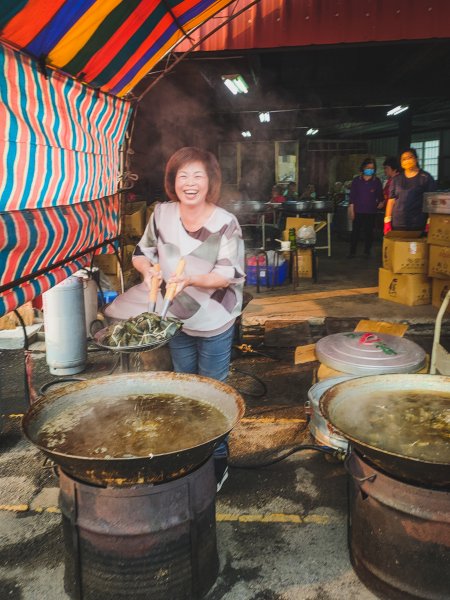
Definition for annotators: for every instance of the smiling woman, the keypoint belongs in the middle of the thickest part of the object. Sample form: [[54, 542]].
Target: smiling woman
[[209, 292]]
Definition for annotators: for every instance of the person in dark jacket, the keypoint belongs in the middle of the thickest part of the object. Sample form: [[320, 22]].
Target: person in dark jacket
[[391, 169], [366, 196], [404, 207]]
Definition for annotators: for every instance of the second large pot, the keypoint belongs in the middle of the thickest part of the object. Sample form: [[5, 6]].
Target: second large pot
[[343, 405], [130, 471]]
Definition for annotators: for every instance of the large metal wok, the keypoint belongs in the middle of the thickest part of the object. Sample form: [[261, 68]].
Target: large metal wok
[[344, 397], [134, 470]]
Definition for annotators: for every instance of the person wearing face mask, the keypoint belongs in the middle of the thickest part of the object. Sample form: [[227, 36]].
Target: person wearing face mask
[[366, 197], [391, 169], [404, 207]]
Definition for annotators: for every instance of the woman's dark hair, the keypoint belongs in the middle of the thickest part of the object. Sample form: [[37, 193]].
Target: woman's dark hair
[[412, 151], [391, 161], [190, 154], [368, 161]]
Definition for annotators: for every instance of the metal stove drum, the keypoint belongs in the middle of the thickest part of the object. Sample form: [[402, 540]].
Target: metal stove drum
[[141, 542], [140, 527], [399, 498]]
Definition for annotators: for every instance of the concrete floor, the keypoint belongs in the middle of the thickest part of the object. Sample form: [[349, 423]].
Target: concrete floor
[[346, 288], [282, 530]]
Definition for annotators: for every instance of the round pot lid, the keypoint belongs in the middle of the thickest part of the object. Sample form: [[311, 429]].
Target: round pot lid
[[366, 353]]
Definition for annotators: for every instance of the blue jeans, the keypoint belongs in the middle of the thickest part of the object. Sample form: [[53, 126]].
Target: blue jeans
[[207, 356]]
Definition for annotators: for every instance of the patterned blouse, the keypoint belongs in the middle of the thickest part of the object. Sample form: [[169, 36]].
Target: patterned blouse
[[217, 247]]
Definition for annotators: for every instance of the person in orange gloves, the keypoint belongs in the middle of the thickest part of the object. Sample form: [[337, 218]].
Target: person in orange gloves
[[404, 207]]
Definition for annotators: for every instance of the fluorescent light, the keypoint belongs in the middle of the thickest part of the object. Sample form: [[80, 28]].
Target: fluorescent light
[[396, 110], [230, 85], [312, 131], [246, 134], [264, 117], [241, 84], [235, 83]]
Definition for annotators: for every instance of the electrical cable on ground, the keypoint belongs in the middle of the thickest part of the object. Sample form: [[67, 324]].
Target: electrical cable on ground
[[259, 394], [338, 454]]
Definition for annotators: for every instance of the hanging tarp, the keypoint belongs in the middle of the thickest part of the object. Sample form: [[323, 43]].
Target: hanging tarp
[[59, 174], [59, 140], [41, 247], [109, 44]]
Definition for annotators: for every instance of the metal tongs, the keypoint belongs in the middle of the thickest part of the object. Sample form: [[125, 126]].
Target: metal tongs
[[170, 291]]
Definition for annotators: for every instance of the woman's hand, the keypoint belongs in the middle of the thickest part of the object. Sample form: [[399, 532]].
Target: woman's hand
[[351, 212], [181, 281], [150, 273]]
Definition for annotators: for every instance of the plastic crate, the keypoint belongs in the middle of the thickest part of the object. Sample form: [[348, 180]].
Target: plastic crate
[[267, 275], [108, 296]]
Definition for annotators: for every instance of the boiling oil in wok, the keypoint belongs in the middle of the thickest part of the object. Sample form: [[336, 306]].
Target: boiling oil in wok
[[136, 426], [415, 424]]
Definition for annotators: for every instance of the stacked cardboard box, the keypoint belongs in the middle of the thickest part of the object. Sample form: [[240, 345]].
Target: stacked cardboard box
[[304, 255], [439, 262], [403, 278], [108, 263]]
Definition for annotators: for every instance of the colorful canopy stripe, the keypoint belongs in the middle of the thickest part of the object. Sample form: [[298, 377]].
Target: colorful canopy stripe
[[109, 44], [59, 140], [24, 293], [40, 247], [59, 174]]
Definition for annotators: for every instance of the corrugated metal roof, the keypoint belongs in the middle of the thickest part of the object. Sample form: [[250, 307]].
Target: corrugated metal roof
[[283, 23]]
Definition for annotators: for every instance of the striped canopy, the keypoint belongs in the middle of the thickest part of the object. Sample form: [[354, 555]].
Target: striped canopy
[[109, 44], [59, 176]]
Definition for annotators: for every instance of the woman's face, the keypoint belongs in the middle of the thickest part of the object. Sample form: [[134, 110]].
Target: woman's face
[[408, 160], [192, 184]]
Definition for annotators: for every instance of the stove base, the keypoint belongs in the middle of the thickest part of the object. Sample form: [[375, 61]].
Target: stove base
[[399, 535], [145, 542]]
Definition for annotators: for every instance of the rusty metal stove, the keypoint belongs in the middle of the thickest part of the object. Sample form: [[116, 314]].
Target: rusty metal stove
[[140, 542], [399, 534]]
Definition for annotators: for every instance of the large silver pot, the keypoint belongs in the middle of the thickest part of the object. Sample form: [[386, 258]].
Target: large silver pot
[[247, 207], [322, 204], [323, 432], [300, 205]]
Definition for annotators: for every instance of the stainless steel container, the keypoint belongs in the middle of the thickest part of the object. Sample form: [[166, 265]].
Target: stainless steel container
[[321, 429]]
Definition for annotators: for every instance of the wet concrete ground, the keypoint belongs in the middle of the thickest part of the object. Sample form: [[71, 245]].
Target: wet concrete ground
[[282, 529]]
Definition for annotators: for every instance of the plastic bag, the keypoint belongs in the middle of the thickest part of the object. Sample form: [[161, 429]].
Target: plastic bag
[[306, 234]]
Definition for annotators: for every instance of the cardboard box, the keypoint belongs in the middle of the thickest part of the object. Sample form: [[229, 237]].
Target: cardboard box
[[106, 263], [127, 254], [304, 263], [130, 278], [439, 289], [134, 219], [149, 211], [396, 233], [439, 262], [439, 232], [436, 202], [11, 321], [405, 255], [404, 288]]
